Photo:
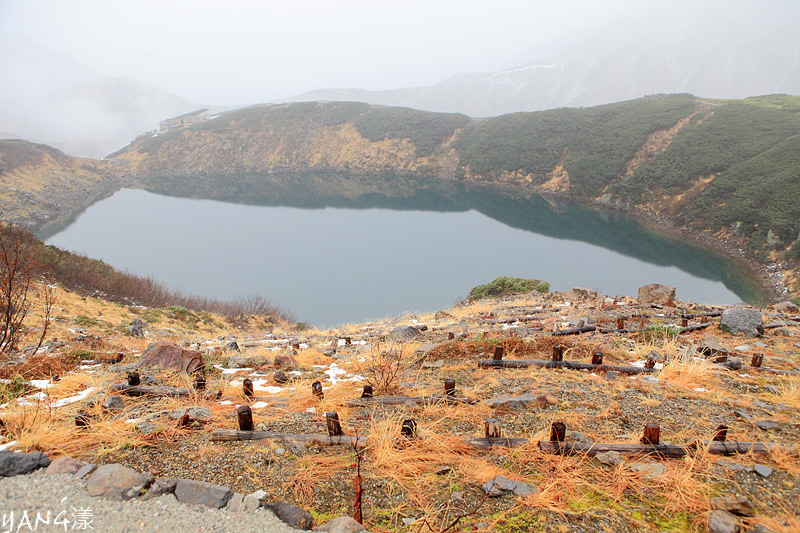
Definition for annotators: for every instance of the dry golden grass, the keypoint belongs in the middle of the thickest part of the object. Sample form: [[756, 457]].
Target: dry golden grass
[[690, 374]]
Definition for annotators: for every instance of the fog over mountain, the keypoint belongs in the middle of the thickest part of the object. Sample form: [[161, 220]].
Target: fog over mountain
[[703, 57]]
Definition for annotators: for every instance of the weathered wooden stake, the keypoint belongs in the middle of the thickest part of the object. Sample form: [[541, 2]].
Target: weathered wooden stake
[[367, 391], [348, 341], [497, 355], [450, 387], [55, 378], [451, 335], [620, 323], [484, 334], [199, 383], [245, 416], [247, 387], [558, 432], [296, 345], [597, 358], [133, 378], [316, 389], [684, 321], [704, 319], [82, 419], [651, 434], [650, 363], [558, 352], [492, 426], [332, 421], [185, 420], [756, 360], [721, 433], [409, 429]]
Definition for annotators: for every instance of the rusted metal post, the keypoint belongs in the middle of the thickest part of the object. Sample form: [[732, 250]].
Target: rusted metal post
[[651, 434], [409, 429], [484, 334], [451, 335], [620, 323], [133, 379], [245, 416], [597, 358], [721, 434], [450, 387], [332, 421], [756, 360], [558, 352], [558, 432], [199, 383], [684, 321], [367, 391], [497, 355], [316, 390], [492, 427], [247, 387]]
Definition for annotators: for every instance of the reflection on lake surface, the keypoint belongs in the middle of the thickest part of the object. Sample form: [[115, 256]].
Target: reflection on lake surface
[[346, 257]]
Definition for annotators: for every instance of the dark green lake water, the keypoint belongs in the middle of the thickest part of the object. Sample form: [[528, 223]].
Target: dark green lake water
[[340, 257]]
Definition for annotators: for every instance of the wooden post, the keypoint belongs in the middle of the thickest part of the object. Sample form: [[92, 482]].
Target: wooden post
[[497, 355], [650, 363], [756, 360], [492, 426], [316, 389], [451, 335], [450, 387], [721, 434], [558, 432], [133, 378], [245, 416], [55, 378], [620, 323], [684, 321], [651, 434], [348, 341], [367, 391], [185, 420], [332, 421], [199, 383], [409, 429], [82, 419], [558, 352], [247, 387], [296, 345], [704, 319], [597, 358], [484, 334]]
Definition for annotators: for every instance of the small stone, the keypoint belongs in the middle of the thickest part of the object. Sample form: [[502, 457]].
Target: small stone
[[772, 389], [189, 491], [650, 470], [767, 425], [251, 502], [280, 377], [234, 505], [611, 375], [15, 463], [738, 413], [407, 521], [500, 485], [403, 334], [657, 294], [524, 401], [443, 471], [457, 495], [737, 505], [723, 522], [732, 465], [162, 486], [433, 364], [342, 524], [118, 482], [85, 471], [65, 465], [285, 362], [147, 428], [578, 437], [759, 344], [762, 470], [202, 414], [610, 458], [743, 348], [290, 514], [113, 403]]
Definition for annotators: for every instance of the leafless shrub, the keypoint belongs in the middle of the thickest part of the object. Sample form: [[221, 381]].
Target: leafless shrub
[[385, 367]]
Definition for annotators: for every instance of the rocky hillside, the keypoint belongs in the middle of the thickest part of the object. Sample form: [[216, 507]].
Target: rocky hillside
[[42, 187], [727, 169]]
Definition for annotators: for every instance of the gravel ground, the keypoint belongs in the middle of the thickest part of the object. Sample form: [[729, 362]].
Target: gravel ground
[[40, 494]]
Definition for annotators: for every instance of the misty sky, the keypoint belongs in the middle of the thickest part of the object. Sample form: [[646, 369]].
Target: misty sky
[[239, 52]]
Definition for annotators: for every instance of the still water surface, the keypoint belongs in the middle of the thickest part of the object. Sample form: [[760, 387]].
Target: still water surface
[[331, 265]]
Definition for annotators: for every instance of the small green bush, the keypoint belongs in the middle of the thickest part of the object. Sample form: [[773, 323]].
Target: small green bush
[[14, 388], [505, 285]]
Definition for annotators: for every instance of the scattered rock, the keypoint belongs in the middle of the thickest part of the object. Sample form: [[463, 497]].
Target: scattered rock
[[610, 458], [723, 522], [168, 356], [232, 345], [500, 485], [523, 401], [611, 375], [772, 389], [343, 524], [202, 493], [786, 307], [280, 377], [290, 514], [163, 485], [15, 463], [403, 334], [253, 361], [136, 328], [251, 502], [767, 425], [118, 482], [738, 505], [443, 471], [762, 470], [113, 403], [147, 428], [743, 320], [202, 414], [649, 469], [65, 465], [656, 293], [738, 413], [733, 363], [234, 505], [732, 465], [433, 364], [85, 471], [578, 437], [286, 362], [443, 315]]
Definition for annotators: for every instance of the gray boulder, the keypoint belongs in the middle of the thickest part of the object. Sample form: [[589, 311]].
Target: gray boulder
[[15, 463], [65, 465], [113, 403], [189, 491], [247, 362], [518, 402], [403, 334], [342, 524], [164, 485], [723, 522], [742, 320], [500, 485], [656, 293], [118, 482], [738, 505], [291, 514]]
